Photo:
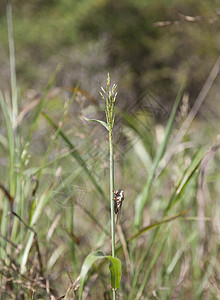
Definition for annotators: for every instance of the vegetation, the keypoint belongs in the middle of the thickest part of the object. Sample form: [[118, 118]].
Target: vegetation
[[55, 236]]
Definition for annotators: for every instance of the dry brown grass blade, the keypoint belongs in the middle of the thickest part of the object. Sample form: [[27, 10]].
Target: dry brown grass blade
[[7, 194], [12, 274], [51, 94], [125, 250], [11, 201], [83, 93], [73, 236], [34, 103]]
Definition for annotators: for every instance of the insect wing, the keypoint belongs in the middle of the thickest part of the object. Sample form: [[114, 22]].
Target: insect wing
[[118, 199], [118, 211]]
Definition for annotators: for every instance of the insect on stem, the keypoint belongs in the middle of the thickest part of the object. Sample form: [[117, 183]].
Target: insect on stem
[[118, 200]]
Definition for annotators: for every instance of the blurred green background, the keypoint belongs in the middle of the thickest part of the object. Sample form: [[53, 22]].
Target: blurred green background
[[124, 37]]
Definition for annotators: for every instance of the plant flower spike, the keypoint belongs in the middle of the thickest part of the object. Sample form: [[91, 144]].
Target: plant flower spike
[[109, 96]]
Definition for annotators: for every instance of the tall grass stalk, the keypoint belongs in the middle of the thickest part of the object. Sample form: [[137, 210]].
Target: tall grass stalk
[[12, 64], [109, 96], [14, 105], [142, 200]]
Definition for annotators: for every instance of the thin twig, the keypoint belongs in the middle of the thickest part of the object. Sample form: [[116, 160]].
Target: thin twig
[[189, 19], [9, 241], [7, 194]]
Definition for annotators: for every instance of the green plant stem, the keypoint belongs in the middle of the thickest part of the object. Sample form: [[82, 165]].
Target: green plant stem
[[14, 105], [111, 193], [12, 64], [111, 154]]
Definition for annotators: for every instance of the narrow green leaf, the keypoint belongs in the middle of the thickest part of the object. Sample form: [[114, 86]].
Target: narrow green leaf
[[41, 104], [78, 157], [146, 136], [35, 215], [97, 121], [189, 173], [11, 143], [115, 269], [142, 200], [28, 244], [56, 135], [180, 251], [155, 225], [31, 211], [154, 260]]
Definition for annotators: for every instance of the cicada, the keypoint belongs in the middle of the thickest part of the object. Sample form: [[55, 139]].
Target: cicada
[[118, 200]]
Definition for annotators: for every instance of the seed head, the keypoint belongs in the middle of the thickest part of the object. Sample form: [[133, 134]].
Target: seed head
[[109, 96]]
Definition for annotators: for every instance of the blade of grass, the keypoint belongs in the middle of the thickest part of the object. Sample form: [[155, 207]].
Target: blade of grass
[[54, 256], [34, 171], [148, 228], [36, 215], [6, 222], [104, 124], [78, 157], [152, 264], [40, 105], [42, 202], [180, 251], [67, 106], [93, 218], [12, 64], [11, 145], [155, 225], [190, 171], [207, 273], [139, 128], [142, 200], [194, 110]]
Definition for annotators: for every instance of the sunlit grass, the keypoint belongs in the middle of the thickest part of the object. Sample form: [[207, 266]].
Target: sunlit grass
[[66, 214], [54, 208]]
